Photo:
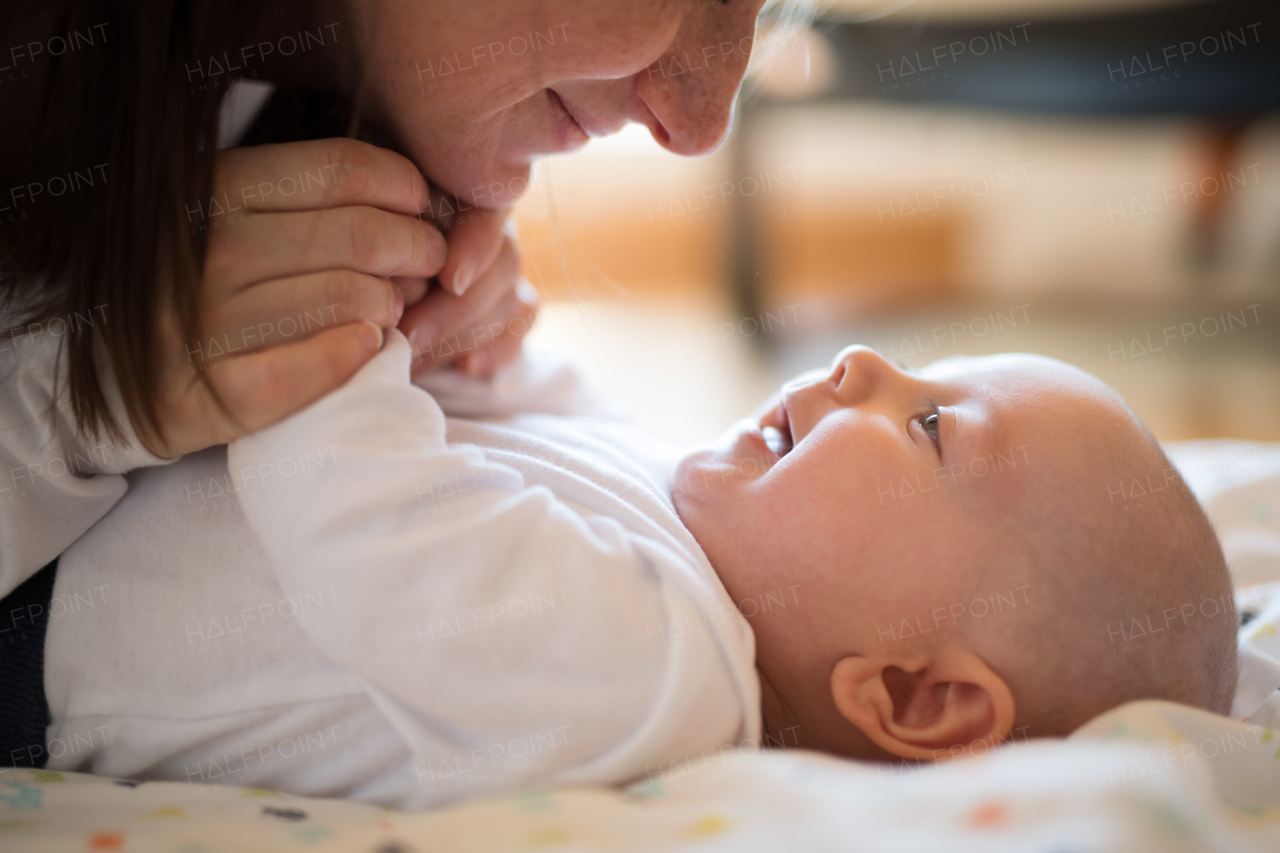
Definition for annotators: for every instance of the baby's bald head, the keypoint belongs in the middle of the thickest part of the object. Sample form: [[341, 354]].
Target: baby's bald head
[[980, 547], [1137, 599]]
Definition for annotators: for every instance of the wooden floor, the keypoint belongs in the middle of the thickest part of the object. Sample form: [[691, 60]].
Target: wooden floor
[[687, 367], [924, 233]]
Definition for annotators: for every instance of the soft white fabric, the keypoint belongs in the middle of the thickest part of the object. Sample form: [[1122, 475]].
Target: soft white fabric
[[1238, 484], [372, 601], [1149, 777], [54, 481]]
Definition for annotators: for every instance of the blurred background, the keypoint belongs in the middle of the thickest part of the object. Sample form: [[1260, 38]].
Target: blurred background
[[1094, 180]]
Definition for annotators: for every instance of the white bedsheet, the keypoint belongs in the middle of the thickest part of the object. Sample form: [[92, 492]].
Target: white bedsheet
[[1147, 777], [1238, 483]]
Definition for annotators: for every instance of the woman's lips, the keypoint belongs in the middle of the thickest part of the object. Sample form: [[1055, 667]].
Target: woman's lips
[[586, 123], [569, 133]]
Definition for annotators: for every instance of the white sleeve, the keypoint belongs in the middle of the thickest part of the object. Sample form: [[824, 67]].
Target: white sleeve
[[429, 546], [536, 381], [55, 482]]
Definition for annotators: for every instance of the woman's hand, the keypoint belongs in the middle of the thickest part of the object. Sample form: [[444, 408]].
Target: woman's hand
[[477, 319], [313, 248]]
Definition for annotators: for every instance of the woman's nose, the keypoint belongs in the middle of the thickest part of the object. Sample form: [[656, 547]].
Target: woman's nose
[[692, 115], [691, 89]]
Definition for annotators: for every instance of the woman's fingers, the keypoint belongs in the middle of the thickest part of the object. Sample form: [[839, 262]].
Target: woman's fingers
[[335, 238], [319, 234], [291, 309], [442, 325], [261, 388], [364, 239], [474, 242], [317, 174]]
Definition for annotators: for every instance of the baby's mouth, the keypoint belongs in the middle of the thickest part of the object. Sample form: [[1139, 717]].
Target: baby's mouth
[[779, 437]]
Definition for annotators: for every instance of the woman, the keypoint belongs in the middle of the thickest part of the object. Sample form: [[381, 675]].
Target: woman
[[141, 265]]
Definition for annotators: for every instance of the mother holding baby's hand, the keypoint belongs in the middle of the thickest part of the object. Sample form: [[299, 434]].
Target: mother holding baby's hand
[[161, 296]]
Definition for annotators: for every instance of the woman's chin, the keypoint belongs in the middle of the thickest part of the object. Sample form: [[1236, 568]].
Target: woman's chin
[[492, 188]]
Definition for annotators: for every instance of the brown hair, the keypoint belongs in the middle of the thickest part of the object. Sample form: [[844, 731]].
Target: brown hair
[[128, 106]]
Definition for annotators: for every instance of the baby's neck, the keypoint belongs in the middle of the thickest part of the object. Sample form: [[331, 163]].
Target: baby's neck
[[778, 725]]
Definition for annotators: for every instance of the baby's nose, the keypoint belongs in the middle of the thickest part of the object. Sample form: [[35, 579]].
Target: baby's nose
[[859, 370]]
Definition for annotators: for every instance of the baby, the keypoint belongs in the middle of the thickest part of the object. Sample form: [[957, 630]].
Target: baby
[[1012, 595], [373, 600]]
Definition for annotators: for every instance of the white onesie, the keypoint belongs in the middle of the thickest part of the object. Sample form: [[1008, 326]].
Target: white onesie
[[372, 600]]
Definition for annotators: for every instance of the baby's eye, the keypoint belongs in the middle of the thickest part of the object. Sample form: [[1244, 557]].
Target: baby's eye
[[930, 424]]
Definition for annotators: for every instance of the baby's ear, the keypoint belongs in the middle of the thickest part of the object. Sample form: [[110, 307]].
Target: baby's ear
[[922, 706]]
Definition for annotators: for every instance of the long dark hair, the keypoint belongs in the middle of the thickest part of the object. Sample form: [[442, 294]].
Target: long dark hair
[[121, 123]]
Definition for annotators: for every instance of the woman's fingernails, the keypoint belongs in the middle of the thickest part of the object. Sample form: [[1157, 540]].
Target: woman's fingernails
[[463, 276], [437, 248], [370, 336], [424, 337]]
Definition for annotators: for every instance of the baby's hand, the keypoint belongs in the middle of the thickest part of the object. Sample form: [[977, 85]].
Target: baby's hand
[[478, 318]]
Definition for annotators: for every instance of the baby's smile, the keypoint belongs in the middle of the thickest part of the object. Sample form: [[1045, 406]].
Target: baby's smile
[[776, 428]]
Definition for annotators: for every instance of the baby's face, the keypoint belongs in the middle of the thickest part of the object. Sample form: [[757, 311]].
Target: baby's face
[[867, 493]]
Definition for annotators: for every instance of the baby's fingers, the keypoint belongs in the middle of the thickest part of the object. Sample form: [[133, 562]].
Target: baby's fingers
[[411, 289], [482, 363], [493, 339], [443, 325]]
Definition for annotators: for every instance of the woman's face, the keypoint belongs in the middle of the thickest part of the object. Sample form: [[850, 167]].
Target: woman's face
[[474, 90]]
